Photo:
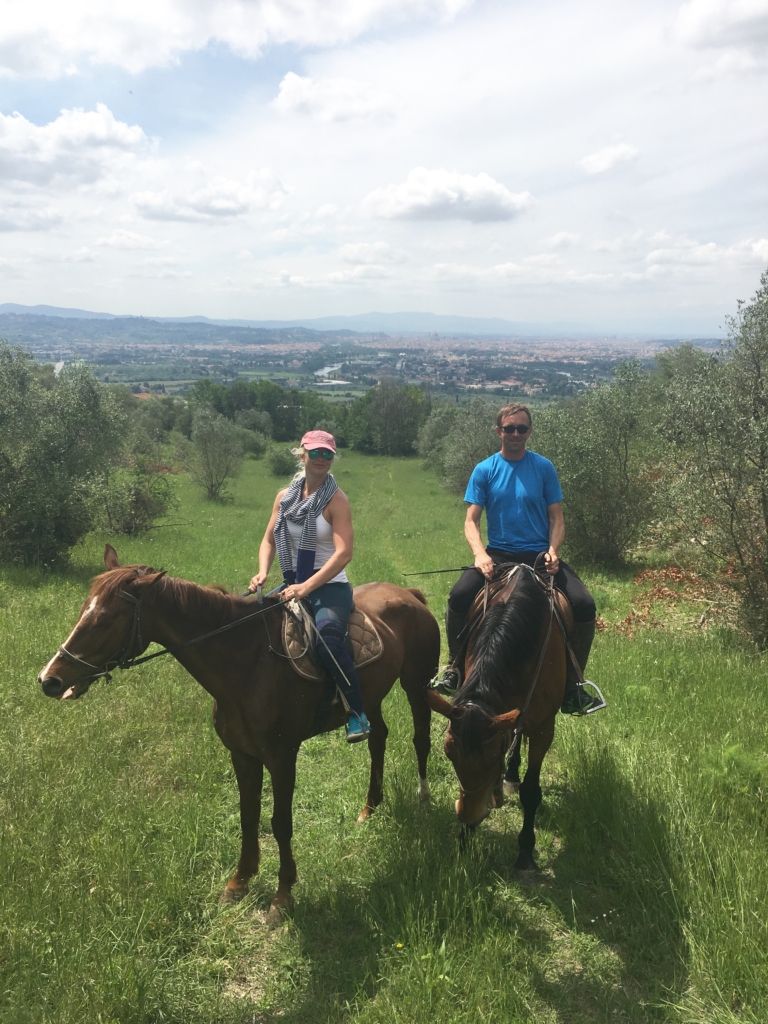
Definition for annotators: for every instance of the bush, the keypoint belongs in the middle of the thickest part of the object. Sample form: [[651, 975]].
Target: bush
[[386, 420], [254, 419], [608, 453], [57, 436], [281, 462], [131, 500], [214, 455], [718, 420], [253, 443], [471, 439]]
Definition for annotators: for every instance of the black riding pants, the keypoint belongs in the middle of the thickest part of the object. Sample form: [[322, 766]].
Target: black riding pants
[[471, 583]]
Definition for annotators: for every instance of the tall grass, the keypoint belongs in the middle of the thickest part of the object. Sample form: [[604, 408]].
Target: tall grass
[[119, 825]]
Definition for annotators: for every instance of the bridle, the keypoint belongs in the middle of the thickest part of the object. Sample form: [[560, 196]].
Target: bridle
[[124, 659]]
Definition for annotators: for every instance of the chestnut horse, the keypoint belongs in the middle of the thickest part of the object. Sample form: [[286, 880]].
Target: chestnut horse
[[262, 709], [514, 682]]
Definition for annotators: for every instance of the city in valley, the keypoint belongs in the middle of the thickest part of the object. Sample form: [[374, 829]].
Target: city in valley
[[167, 357]]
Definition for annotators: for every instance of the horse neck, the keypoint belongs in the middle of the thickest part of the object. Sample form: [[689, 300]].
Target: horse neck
[[178, 611]]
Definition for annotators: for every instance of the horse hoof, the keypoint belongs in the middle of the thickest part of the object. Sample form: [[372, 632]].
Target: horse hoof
[[278, 914], [231, 896], [510, 788], [364, 815]]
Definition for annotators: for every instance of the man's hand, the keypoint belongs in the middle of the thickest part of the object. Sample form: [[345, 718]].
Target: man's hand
[[552, 562], [258, 581], [484, 564]]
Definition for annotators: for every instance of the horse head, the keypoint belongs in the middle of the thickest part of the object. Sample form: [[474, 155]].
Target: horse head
[[475, 744], [107, 632]]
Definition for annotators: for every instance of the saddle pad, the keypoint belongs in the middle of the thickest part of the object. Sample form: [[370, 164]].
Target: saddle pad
[[366, 644]]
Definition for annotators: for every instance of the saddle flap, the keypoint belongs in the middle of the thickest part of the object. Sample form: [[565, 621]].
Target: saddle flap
[[298, 644]]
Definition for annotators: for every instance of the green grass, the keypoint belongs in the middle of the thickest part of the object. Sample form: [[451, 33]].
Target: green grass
[[119, 824]]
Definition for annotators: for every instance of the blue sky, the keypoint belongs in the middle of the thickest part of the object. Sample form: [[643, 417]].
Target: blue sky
[[589, 162]]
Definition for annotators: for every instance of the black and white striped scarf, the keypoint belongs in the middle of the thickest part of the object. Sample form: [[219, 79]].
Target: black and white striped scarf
[[305, 512]]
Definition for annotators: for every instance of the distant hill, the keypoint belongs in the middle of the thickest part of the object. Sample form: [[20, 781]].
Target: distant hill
[[387, 323], [374, 323]]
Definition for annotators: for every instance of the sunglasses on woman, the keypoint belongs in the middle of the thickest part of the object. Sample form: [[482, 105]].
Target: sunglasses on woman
[[314, 453], [516, 428]]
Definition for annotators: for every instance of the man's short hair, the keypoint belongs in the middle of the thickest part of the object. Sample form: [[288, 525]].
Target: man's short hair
[[510, 410]]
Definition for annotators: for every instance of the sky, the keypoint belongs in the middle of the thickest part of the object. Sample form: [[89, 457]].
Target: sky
[[587, 162]]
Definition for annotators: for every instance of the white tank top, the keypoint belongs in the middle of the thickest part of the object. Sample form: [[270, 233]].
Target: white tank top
[[324, 547]]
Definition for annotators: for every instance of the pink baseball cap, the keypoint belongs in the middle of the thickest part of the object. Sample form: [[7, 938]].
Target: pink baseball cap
[[318, 439]]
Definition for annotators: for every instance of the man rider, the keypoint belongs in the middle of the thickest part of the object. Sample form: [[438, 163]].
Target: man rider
[[521, 495]]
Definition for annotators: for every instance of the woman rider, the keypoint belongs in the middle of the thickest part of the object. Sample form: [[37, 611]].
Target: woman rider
[[311, 531]]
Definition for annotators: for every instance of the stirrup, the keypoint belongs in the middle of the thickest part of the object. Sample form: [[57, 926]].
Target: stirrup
[[446, 682], [593, 703]]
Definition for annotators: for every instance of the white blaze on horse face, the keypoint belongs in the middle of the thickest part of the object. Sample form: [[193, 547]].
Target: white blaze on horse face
[[86, 614]]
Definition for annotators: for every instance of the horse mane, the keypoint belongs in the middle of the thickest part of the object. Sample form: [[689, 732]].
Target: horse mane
[[507, 638], [212, 604]]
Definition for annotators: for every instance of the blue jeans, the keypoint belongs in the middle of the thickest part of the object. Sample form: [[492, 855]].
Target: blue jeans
[[330, 606]]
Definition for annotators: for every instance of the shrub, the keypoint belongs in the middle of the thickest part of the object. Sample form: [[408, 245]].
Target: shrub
[[386, 419], [132, 499], [255, 419], [718, 420], [214, 455], [281, 462], [607, 451], [57, 436], [253, 443]]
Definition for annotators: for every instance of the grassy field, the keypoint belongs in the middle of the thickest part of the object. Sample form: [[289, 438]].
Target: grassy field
[[119, 823]]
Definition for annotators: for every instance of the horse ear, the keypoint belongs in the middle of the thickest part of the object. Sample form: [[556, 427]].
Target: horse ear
[[150, 578], [110, 557], [440, 705], [504, 723]]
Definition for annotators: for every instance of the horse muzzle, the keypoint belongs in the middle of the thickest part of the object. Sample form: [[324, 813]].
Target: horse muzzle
[[472, 814], [52, 686]]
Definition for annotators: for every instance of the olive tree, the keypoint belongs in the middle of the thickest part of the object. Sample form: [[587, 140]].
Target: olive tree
[[214, 454], [58, 434], [718, 421]]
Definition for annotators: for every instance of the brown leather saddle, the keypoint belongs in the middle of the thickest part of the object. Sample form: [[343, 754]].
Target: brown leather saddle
[[298, 638]]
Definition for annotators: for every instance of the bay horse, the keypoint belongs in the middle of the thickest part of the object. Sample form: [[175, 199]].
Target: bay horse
[[262, 709], [514, 683]]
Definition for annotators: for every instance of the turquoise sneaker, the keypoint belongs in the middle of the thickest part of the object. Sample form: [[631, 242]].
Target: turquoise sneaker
[[358, 728]]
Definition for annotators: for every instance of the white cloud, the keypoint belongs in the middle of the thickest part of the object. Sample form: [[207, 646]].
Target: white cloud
[[560, 240], [605, 159], [48, 40], [79, 146], [367, 272], [331, 99], [532, 270], [447, 195], [369, 253], [122, 239], [683, 256], [724, 23], [219, 199], [24, 216]]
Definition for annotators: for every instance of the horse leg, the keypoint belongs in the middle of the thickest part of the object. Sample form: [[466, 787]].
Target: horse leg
[[530, 794], [283, 783], [422, 715], [512, 774], [377, 744], [250, 774]]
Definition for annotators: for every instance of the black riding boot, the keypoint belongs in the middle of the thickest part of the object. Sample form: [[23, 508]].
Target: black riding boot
[[449, 679], [577, 701], [334, 657]]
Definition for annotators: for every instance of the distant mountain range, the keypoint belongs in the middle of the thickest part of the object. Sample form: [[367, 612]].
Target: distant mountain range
[[363, 323]]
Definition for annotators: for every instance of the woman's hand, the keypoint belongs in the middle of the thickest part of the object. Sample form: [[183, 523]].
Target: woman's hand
[[296, 591], [258, 581]]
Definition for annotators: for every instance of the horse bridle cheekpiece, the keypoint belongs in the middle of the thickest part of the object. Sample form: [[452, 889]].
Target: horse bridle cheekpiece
[[123, 658]]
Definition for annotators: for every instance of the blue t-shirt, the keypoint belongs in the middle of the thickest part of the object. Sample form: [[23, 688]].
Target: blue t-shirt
[[515, 496]]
